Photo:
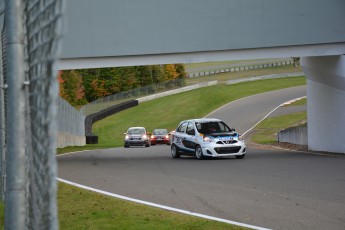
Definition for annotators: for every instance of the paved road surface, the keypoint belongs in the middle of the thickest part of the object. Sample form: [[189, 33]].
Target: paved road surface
[[269, 188]]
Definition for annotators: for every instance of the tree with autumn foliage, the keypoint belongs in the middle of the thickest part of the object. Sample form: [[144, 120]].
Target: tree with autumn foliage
[[170, 72], [61, 81], [71, 87], [86, 85]]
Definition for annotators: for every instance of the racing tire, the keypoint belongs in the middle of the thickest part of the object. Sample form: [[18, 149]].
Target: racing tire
[[147, 145], [126, 146], [240, 156], [175, 152], [198, 152]]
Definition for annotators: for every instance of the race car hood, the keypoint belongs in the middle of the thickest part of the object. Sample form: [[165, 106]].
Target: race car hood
[[231, 135], [135, 135]]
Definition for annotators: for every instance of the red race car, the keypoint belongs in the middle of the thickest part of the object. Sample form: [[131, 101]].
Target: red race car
[[160, 136]]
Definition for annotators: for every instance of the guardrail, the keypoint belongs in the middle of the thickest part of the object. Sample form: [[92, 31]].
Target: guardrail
[[92, 118], [295, 135], [239, 68], [264, 77]]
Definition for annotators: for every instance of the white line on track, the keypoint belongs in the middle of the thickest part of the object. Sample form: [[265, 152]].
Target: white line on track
[[162, 206], [63, 154], [176, 209], [285, 103]]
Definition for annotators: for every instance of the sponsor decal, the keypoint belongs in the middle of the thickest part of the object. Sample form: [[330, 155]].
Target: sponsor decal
[[178, 140]]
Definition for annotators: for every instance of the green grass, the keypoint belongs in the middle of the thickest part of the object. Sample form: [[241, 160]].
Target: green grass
[[83, 209], [266, 131], [2, 215]]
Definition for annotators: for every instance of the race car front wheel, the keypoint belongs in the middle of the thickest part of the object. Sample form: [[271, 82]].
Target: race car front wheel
[[175, 153], [198, 152]]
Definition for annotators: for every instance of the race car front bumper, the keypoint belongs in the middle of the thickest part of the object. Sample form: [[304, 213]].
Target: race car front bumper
[[217, 150]]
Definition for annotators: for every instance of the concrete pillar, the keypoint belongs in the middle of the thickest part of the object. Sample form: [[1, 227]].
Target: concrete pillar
[[326, 102]]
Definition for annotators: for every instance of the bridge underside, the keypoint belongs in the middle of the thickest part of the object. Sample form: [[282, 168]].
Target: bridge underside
[[202, 56]]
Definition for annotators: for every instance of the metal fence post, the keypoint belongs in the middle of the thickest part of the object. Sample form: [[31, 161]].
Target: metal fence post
[[2, 107], [16, 160]]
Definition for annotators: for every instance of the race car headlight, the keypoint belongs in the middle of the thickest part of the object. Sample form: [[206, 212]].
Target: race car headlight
[[207, 139], [240, 137], [144, 136], [126, 137]]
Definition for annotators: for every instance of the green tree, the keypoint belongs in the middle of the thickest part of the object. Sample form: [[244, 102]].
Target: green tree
[[88, 75], [180, 71], [158, 73]]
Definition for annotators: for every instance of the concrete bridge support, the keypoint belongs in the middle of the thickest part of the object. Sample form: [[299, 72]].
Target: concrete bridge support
[[326, 102]]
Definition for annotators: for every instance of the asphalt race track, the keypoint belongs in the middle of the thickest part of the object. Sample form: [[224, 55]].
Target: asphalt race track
[[269, 188]]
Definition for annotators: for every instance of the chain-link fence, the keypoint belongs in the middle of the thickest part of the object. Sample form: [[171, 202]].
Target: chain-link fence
[[70, 120], [29, 93], [71, 125], [118, 98]]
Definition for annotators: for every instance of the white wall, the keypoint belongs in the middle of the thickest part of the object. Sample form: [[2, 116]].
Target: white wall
[[326, 102]]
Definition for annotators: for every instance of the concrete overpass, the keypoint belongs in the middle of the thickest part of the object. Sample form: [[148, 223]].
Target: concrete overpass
[[108, 33]]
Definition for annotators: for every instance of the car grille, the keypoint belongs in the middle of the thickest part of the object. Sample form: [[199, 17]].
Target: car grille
[[135, 138], [136, 143], [227, 142], [225, 150]]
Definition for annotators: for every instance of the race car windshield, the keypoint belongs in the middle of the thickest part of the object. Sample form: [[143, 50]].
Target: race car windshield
[[136, 131], [212, 127], [160, 132]]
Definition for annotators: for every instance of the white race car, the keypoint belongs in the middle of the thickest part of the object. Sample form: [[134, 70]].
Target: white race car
[[206, 137]]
